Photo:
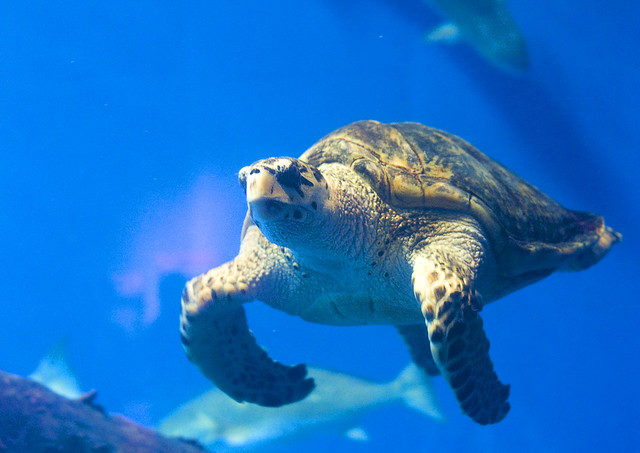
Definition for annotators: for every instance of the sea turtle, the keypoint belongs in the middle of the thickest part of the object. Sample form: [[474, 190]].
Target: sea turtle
[[383, 224]]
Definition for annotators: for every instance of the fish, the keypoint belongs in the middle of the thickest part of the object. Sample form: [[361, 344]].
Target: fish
[[218, 422], [487, 26]]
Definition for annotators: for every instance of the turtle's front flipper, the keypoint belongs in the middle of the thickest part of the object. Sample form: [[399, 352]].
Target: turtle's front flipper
[[458, 343], [216, 338]]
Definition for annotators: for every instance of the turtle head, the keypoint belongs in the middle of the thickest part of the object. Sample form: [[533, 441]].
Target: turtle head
[[286, 197]]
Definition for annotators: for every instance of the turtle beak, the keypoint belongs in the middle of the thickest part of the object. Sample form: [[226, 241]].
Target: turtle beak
[[261, 184], [266, 198], [266, 210]]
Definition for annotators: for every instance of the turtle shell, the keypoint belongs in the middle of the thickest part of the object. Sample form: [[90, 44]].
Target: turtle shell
[[413, 166]]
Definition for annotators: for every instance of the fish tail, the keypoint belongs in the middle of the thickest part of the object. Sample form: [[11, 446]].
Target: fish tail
[[415, 390]]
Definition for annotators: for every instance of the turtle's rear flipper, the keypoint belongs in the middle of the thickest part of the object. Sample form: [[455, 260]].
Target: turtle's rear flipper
[[218, 340]]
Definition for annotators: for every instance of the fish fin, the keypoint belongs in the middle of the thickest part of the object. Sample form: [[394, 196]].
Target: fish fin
[[447, 33], [415, 389], [357, 434], [54, 372]]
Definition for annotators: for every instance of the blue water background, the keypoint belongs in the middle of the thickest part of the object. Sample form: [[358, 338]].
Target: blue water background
[[109, 111]]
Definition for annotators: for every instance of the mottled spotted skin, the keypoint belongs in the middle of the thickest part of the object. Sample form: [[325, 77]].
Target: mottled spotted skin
[[383, 224], [224, 348], [459, 345]]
